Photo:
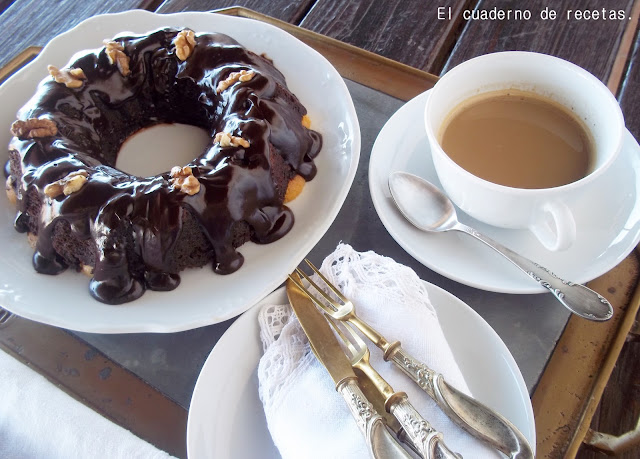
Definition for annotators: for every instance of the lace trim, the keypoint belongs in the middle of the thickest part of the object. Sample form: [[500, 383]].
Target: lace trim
[[285, 346]]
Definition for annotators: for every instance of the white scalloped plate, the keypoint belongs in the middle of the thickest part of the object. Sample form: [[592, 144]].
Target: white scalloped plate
[[203, 298], [226, 418]]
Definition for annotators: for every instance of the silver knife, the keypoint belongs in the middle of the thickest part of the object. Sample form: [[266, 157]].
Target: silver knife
[[325, 346]]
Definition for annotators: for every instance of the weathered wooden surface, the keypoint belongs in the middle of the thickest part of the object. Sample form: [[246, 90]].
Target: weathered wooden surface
[[35, 22], [288, 11], [407, 31], [620, 405], [629, 92], [591, 44]]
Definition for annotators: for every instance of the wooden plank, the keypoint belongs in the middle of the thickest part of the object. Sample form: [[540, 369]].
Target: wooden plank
[[285, 10], [19, 61], [364, 67], [620, 404], [578, 371], [629, 91], [620, 65], [34, 22], [591, 44], [98, 382], [407, 31]]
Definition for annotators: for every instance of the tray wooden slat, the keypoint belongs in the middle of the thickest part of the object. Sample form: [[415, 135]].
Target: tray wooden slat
[[591, 44], [291, 11], [630, 90], [36, 22], [367, 68], [407, 31]]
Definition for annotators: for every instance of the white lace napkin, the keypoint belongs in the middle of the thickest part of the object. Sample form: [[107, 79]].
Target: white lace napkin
[[307, 418], [38, 420]]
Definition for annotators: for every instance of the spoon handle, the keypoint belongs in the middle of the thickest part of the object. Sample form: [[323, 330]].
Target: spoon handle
[[579, 299]]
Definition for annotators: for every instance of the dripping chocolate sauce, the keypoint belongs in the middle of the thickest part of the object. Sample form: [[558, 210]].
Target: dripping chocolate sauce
[[136, 221]]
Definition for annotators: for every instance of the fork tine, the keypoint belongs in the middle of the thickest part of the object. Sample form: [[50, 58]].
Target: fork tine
[[348, 327], [343, 337], [326, 281], [329, 300], [312, 297]]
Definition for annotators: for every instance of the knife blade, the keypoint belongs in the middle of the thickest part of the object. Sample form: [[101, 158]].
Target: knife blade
[[328, 351]]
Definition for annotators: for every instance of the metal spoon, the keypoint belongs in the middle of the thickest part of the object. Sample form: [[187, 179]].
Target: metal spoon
[[428, 209]]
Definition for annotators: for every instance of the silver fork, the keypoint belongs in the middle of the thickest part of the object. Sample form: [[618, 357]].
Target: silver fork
[[428, 442], [476, 418]]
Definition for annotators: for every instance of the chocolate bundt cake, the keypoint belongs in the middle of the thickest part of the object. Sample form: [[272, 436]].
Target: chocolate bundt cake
[[134, 233]]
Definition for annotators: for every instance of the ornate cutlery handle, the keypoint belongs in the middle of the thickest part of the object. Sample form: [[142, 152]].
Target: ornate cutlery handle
[[577, 298], [424, 437], [380, 442], [476, 418]]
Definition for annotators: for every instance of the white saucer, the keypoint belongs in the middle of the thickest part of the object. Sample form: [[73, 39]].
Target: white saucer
[[607, 217], [226, 417]]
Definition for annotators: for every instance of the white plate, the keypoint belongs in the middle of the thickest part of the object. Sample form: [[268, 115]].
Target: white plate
[[203, 297], [607, 217], [226, 419]]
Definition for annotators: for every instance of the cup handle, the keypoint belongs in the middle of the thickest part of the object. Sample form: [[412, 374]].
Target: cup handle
[[554, 226]]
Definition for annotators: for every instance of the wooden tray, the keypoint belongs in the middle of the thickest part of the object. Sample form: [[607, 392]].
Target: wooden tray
[[564, 400]]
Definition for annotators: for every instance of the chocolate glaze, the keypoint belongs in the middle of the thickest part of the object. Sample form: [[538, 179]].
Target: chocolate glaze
[[136, 221]]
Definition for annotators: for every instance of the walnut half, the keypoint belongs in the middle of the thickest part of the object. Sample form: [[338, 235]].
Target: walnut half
[[184, 42], [242, 75], [183, 179], [67, 185], [227, 140], [115, 53], [34, 127], [71, 78]]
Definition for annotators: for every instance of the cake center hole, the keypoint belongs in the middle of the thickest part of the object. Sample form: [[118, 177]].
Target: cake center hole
[[156, 149]]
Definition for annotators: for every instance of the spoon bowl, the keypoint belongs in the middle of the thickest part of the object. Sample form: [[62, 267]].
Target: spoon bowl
[[422, 203], [429, 209]]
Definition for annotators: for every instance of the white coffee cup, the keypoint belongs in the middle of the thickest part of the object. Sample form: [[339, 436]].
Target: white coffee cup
[[543, 211]]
